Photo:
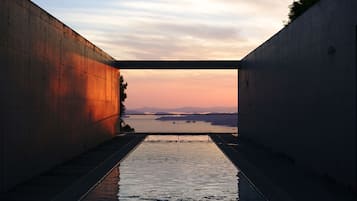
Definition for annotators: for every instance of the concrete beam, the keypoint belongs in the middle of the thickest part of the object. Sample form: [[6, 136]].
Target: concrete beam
[[183, 133], [177, 64]]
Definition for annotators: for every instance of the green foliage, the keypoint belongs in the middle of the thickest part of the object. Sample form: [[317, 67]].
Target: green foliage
[[297, 8], [126, 128], [123, 86], [123, 127]]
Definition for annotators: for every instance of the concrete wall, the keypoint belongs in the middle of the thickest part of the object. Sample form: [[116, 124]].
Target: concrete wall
[[297, 91], [58, 95]]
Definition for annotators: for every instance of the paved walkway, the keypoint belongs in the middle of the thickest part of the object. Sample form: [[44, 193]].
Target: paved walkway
[[74, 178], [277, 177]]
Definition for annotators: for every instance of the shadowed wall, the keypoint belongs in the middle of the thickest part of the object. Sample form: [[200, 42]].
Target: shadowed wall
[[297, 91], [58, 95]]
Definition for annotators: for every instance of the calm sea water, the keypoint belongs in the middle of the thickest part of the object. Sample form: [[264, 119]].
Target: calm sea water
[[175, 168], [148, 123]]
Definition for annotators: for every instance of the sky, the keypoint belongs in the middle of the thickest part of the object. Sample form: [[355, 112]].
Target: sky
[[180, 29]]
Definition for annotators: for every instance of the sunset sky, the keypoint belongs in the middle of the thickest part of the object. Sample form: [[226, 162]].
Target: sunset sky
[[163, 29]]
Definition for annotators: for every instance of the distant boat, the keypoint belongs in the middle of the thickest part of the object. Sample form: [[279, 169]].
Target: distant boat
[[188, 121]]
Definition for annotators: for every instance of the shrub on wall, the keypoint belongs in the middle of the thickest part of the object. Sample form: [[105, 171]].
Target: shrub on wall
[[297, 8]]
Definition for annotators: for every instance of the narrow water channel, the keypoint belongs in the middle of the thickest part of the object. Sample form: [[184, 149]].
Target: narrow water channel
[[175, 168]]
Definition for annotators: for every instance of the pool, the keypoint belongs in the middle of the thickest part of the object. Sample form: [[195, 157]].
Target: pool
[[175, 168]]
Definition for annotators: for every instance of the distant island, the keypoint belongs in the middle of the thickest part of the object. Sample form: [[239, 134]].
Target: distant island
[[181, 110], [220, 119]]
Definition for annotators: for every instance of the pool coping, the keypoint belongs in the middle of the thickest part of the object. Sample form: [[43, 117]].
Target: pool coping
[[80, 189], [271, 176], [243, 165], [73, 179], [276, 177]]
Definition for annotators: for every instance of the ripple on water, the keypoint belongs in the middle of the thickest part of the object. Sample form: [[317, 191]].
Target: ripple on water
[[197, 170]]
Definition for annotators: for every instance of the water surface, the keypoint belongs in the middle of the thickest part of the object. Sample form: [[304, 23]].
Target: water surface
[[148, 123], [175, 168]]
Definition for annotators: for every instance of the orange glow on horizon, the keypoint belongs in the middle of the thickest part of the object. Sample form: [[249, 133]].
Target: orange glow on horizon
[[181, 88]]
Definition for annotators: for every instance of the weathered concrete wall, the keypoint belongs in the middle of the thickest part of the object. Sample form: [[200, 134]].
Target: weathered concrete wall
[[297, 91], [58, 95]]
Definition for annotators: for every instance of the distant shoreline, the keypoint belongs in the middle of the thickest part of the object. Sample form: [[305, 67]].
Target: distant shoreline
[[173, 114], [220, 119]]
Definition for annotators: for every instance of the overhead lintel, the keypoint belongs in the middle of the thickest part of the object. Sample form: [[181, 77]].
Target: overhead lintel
[[176, 64]]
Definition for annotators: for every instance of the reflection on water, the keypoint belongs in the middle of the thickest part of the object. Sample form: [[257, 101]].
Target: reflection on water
[[107, 190], [175, 168], [148, 123]]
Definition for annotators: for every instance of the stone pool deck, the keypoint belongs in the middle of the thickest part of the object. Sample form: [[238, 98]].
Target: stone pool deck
[[276, 176], [71, 180]]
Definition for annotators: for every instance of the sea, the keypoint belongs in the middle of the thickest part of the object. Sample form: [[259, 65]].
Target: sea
[[183, 123]]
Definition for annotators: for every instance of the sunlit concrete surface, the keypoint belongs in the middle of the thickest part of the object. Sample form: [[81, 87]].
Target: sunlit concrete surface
[[59, 96], [297, 95]]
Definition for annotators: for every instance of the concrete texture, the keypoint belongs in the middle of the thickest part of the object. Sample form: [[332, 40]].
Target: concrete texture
[[276, 177], [58, 95], [297, 92], [102, 192], [72, 179], [177, 64]]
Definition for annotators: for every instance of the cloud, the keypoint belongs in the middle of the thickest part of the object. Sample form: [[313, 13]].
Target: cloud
[[184, 29], [162, 29]]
